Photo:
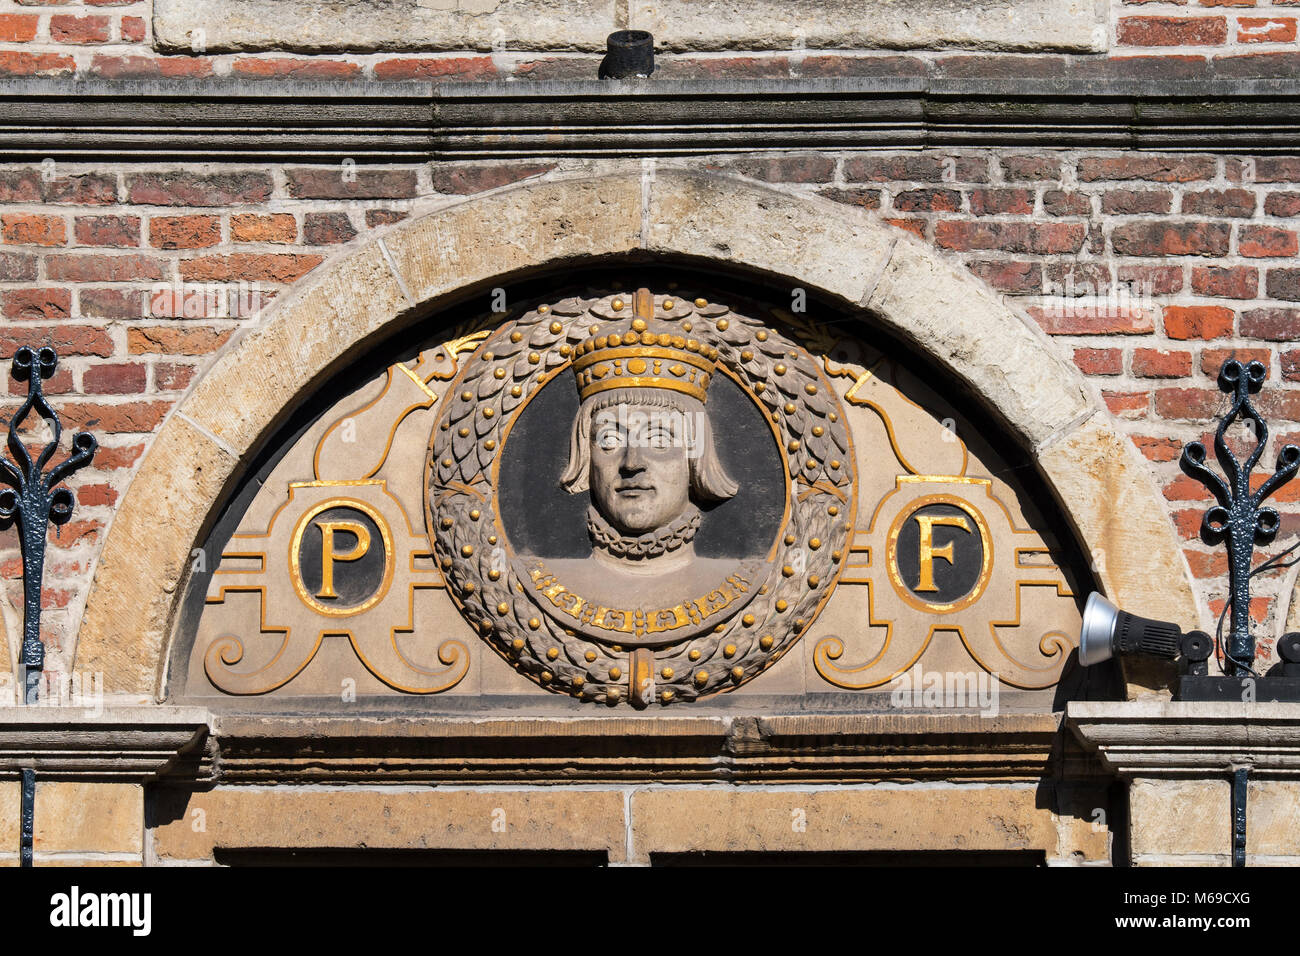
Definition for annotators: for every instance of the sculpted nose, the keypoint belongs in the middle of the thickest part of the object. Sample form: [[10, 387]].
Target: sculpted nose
[[633, 458]]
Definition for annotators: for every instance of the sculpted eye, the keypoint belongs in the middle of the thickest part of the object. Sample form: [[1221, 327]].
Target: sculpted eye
[[608, 439]]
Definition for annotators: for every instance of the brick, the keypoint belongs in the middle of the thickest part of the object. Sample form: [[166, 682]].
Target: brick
[[1185, 488], [196, 189], [1074, 277], [89, 189], [862, 198], [1127, 404], [96, 494], [169, 340], [1290, 366], [1236, 282], [1007, 275], [908, 168], [1057, 202], [1238, 203], [37, 304], [558, 68], [127, 417], [1154, 168], [1039, 238], [111, 303], [914, 226], [1134, 202], [17, 267], [1266, 29], [892, 67], [111, 458], [18, 27], [1282, 204], [425, 68], [1279, 405], [137, 67], [1158, 449], [74, 532], [993, 202], [1262, 242], [1283, 284], [294, 68], [1272, 325], [36, 64], [1017, 168], [102, 268], [184, 232], [1083, 319], [386, 217], [1278, 169], [115, 379], [992, 66], [1152, 363], [29, 229], [1196, 404], [1212, 359], [327, 228], [65, 339], [60, 384], [464, 180], [928, 200], [172, 376], [66, 28], [1171, 239], [1152, 280], [1212, 565], [251, 227], [338, 182], [133, 30], [763, 66], [20, 185], [269, 266], [1172, 31], [778, 169], [1099, 361], [119, 231], [1197, 321]]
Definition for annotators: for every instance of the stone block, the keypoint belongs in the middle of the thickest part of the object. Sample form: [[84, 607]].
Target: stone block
[[89, 817], [1177, 817]]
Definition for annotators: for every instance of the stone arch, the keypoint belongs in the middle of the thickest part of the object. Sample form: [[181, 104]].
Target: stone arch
[[1102, 484]]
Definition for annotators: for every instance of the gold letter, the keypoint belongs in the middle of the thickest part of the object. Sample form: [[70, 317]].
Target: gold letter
[[928, 552], [328, 555]]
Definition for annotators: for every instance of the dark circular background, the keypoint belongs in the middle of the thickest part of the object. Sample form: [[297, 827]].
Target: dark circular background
[[541, 518], [354, 581], [954, 580]]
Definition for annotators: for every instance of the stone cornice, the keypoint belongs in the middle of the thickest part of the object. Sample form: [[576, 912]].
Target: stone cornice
[[1189, 739], [136, 744], [1092, 106]]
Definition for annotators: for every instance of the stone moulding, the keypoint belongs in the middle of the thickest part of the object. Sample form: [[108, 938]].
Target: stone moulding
[[1090, 105], [124, 745], [1152, 738], [996, 354]]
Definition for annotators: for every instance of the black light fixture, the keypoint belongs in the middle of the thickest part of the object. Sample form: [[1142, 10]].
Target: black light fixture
[[628, 53]]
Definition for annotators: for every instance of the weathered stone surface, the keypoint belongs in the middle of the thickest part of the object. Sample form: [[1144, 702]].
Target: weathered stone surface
[[237, 817], [517, 228], [128, 611], [89, 817], [1108, 491], [1273, 818], [211, 25], [1172, 817], [10, 804], [919, 24], [682, 820], [762, 228]]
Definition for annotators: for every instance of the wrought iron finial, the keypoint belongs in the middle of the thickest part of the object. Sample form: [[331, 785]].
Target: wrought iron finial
[[34, 500], [1239, 518]]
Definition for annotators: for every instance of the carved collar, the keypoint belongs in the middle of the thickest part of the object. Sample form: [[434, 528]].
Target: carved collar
[[651, 544]]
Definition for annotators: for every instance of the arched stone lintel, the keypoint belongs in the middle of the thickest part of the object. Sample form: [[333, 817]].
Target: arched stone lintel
[[1102, 484]]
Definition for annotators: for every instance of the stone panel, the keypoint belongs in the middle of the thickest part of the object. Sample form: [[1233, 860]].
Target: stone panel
[[89, 817]]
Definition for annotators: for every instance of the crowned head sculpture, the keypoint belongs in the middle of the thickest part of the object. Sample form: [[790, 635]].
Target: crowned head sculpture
[[642, 442]]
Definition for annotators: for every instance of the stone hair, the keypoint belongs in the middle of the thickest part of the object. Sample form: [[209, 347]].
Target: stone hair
[[709, 480]]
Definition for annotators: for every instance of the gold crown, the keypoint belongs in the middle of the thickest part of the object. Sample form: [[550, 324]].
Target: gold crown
[[639, 358]]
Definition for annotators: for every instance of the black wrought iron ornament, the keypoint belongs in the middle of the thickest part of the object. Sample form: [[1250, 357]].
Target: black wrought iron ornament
[[1240, 519], [34, 499]]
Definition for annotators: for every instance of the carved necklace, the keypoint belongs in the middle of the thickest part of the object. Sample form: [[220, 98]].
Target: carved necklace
[[651, 544]]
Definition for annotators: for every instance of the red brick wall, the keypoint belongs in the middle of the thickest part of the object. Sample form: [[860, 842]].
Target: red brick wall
[[1208, 242]]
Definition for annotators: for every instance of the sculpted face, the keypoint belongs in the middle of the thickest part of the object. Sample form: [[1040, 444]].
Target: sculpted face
[[640, 467]]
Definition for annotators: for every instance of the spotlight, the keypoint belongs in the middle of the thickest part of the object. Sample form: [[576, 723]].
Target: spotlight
[[1107, 632]]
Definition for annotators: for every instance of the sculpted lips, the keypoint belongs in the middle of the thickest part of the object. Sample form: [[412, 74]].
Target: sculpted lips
[[632, 488]]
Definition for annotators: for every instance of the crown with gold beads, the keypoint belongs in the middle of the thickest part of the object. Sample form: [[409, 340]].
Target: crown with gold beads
[[631, 355]]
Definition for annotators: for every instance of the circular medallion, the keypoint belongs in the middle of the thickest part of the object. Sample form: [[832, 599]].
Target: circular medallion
[[939, 554], [345, 565], [640, 497]]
